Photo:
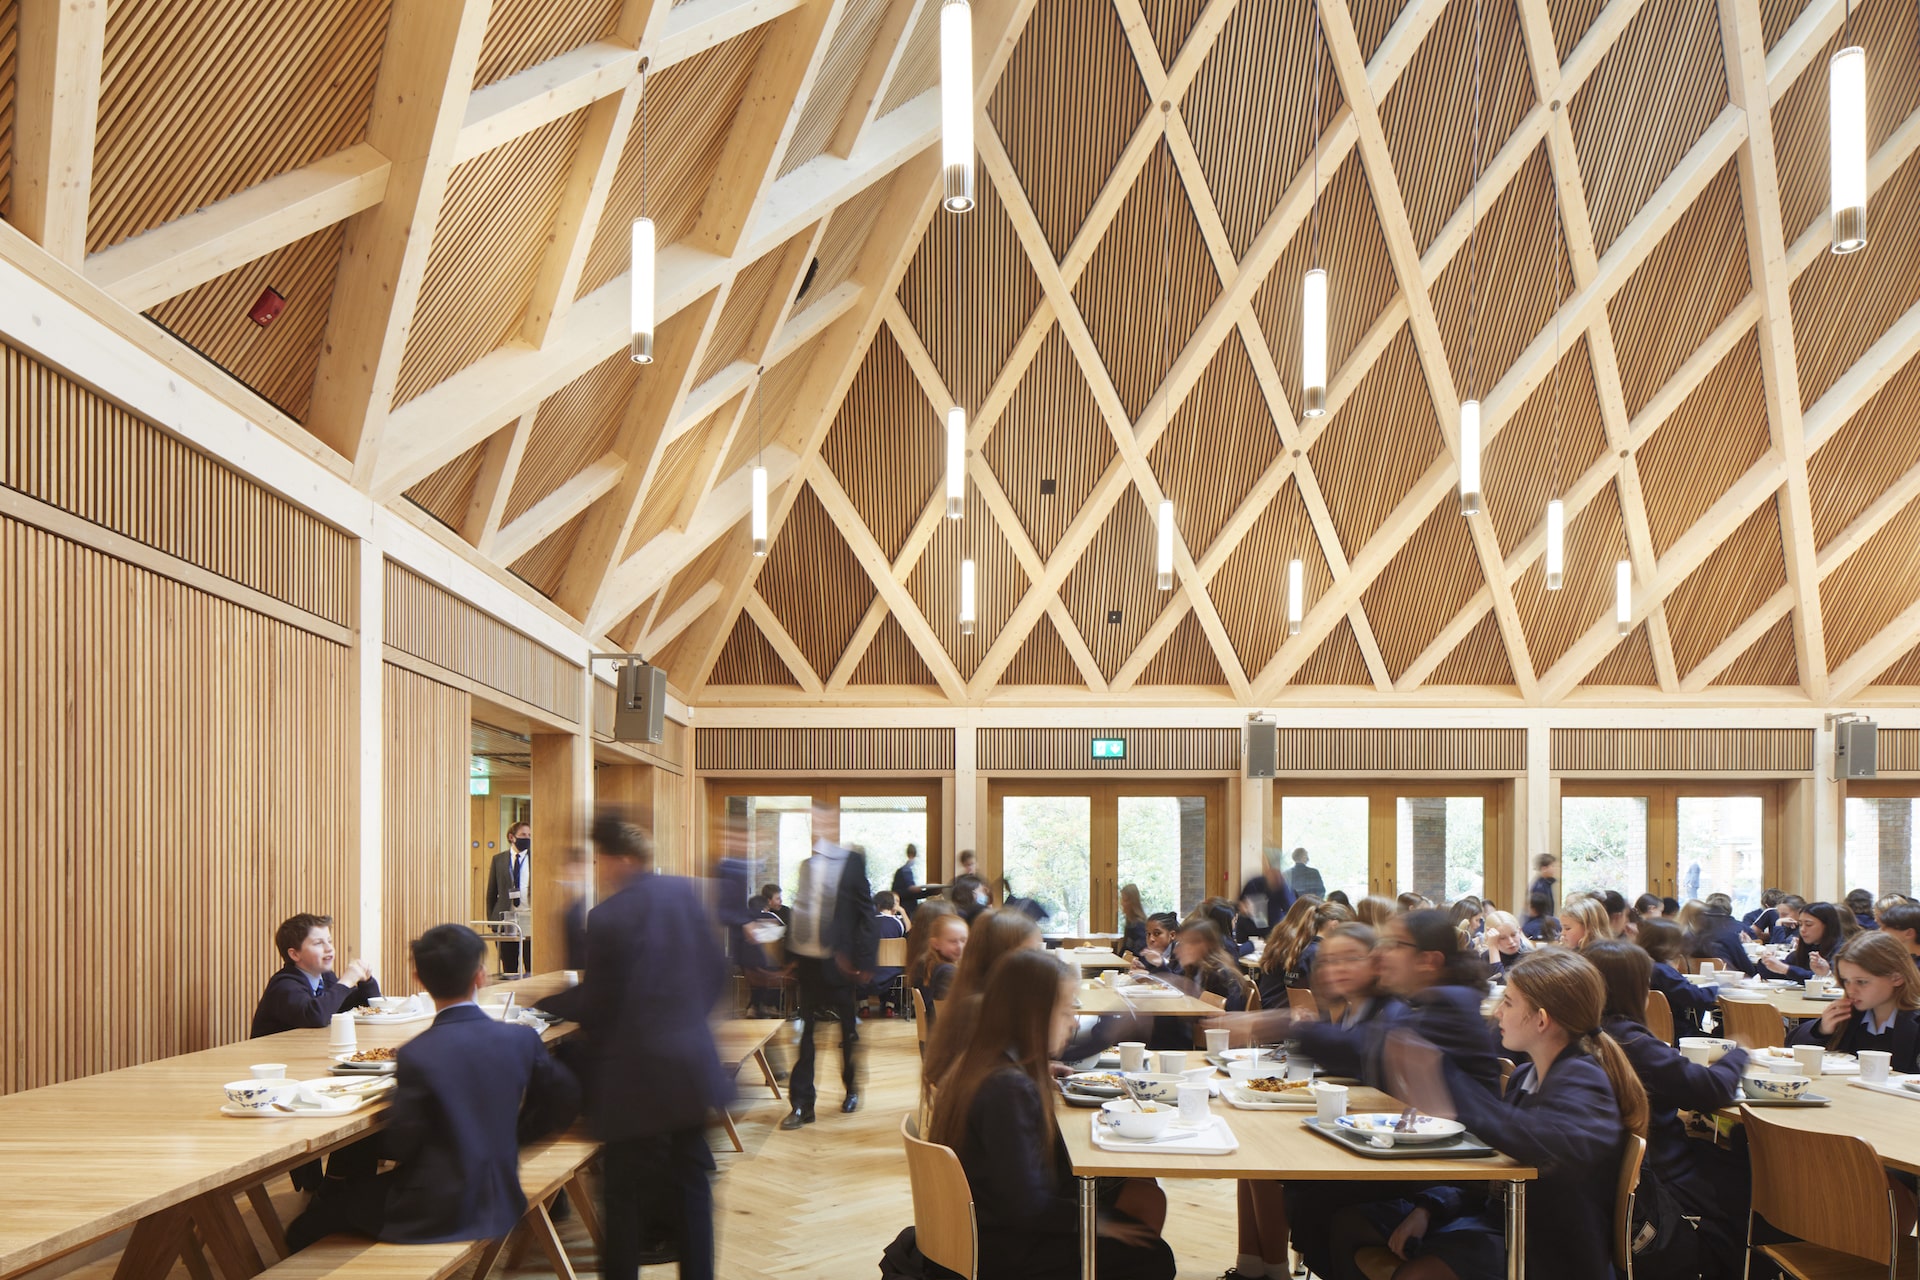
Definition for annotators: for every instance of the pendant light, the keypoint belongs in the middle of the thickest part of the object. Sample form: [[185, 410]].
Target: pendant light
[[760, 468], [640, 275], [1556, 543], [956, 103], [956, 461], [1163, 547], [1847, 141], [1163, 533], [1556, 510], [1623, 595], [1313, 290], [1470, 407], [966, 597], [1296, 595]]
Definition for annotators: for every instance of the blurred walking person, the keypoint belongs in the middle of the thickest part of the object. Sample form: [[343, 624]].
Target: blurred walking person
[[832, 943]]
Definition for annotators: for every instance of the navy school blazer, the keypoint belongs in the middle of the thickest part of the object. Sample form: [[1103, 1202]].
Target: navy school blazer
[[289, 1002]]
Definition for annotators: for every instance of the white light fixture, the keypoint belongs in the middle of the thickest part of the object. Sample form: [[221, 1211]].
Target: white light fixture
[[1623, 596], [759, 511], [1847, 146], [1296, 592], [956, 461], [642, 284], [1469, 457], [1313, 355], [966, 596], [1163, 558], [1556, 543], [956, 103]]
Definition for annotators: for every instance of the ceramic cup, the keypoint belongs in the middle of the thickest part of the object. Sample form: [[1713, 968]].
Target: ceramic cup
[[1299, 1068], [1808, 1058], [1218, 1041], [1172, 1062], [1874, 1065], [1331, 1100], [1816, 987], [1193, 1105], [1133, 1055], [1700, 1053], [342, 1035], [1111, 977], [268, 1070], [1706, 970]]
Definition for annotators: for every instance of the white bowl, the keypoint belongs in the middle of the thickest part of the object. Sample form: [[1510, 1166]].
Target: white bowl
[[254, 1095], [1776, 1088], [1244, 1069], [1156, 1086], [1717, 1048], [1132, 1122]]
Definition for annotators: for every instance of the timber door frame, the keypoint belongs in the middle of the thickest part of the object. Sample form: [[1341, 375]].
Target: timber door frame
[[1383, 830], [1663, 821]]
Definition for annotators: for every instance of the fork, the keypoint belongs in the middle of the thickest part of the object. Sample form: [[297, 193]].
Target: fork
[[1405, 1123]]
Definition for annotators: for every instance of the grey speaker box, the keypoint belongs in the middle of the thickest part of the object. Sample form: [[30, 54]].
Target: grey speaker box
[[1263, 750], [640, 704], [1855, 749]]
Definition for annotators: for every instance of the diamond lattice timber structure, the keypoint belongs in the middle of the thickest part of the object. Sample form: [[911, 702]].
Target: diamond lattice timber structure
[[442, 189]]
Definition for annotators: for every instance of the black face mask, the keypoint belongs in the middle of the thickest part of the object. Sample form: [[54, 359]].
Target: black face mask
[[523, 843]]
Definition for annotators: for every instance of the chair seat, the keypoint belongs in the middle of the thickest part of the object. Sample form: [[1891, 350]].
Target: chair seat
[[1377, 1263], [1811, 1262]]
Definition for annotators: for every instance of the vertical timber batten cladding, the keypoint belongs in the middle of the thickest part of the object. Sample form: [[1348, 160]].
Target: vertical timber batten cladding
[[800, 750], [1683, 751], [1897, 750], [1071, 750], [433, 624], [425, 858], [1478, 751]]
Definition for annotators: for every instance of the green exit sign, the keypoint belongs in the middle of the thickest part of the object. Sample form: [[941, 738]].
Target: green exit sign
[[479, 786], [1109, 748]]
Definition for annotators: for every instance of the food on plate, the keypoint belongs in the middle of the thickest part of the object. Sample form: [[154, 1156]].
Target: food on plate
[[1273, 1084], [1097, 1080], [382, 1054]]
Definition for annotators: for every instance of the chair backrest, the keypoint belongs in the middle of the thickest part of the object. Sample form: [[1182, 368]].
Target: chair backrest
[[1826, 1188], [1506, 1073], [1253, 997], [920, 1019], [1660, 1015], [943, 1223], [892, 954], [1755, 1024], [1631, 1155], [1218, 1002], [1301, 1000]]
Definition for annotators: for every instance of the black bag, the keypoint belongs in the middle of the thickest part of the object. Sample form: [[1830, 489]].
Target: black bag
[[1666, 1242], [902, 1260]]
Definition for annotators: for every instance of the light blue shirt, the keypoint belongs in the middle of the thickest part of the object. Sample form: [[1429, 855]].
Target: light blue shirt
[[1866, 1020]]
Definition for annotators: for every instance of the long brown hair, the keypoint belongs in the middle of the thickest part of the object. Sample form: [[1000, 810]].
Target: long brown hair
[[1218, 959], [1567, 988], [1883, 956], [1593, 918], [997, 934], [1287, 941], [1130, 908], [1014, 1031], [920, 933], [1375, 910]]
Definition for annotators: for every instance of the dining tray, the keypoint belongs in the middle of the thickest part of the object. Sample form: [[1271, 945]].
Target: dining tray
[[1464, 1147], [1804, 1100]]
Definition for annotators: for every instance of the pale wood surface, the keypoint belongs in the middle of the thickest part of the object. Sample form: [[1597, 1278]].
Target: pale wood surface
[[1890, 1125], [1097, 998]]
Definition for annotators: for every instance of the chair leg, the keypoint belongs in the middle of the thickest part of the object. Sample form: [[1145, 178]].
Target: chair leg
[[733, 1134]]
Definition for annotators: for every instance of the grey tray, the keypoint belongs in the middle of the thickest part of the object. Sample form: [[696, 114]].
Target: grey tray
[[1464, 1147], [1804, 1100]]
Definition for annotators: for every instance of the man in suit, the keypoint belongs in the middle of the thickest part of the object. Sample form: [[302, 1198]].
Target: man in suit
[[1303, 879], [655, 972], [832, 943], [305, 992], [469, 1092], [508, 881]]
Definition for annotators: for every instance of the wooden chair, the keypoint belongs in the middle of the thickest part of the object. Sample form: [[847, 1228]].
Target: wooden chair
[[1830, 1191], [892, 954], [1630, 1160], [1301, 1000], [943, 1221], [1756, 1024], [1506, 1073], [1253, 997], [1660, 1015], [920, 1019]]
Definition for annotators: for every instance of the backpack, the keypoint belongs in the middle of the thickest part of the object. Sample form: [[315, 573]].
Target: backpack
[[1666, 1242]]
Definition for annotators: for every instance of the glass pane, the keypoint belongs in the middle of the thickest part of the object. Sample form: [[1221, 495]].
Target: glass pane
[[1880, 845], [775, 834], [1333, 831], [883, 826], [1441, 846], [1047, 854], [1720, 848], [1603, 845], [1163, 849]]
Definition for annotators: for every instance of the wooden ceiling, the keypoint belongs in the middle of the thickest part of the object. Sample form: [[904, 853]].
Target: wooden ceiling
[[441, 189]]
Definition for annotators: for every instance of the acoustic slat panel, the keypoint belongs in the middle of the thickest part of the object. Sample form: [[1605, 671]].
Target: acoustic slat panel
[[1051, 430], [1739, 577], [1380, 442], [1709, 442], [919, 68], [886, 446], [999, 583], [1043, 660], [525, 33], [1185, 659], [431, 623], [1769, 661], [1071, 750], [1897, 750], [1630, 663], [1873, 587], [815, 585], [1553, 621], [1338, 661], [424, 829], [1875, 448], [1116, 576], [9, 63], [575, 425], [1221, 442], [1481, 658], [891, 659], [1682, 750], [446, 493], [847, 51], [749, 657], [1423, 587], [1486, 751], [780, 750], [1533, 450], [543, 567], [1254, 578]]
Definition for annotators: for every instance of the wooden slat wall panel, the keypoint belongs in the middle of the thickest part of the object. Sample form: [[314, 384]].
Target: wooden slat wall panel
[[919, 68], [9, 61], [1171, 22], [525, 33], [1062, 141], [1337, 662], [1372, 19], [1185, 659], [1739, 577], [1897, 750], [1776, 16], [446, 493], [778, 390], [675, 474], [733, 331], [845, 236], [697, 574], [544, 566], [1709, 442], [1043, 660], [1221, 442], [1029, 750], [424, 868], [1254, 578], [575, 426], [1518, 469], [779, 750], [1402, 750], [887, 444], [1481, 658], [1382, 441], [1644, 107], [814, 585], [749, 657], [1873, 587], [690, 109], [1683, 750], [1423, 587], [198, 102], [846, 54], [1553, 621], [278, 361], [1904, 673], [1051, 430], [486, 253], [1630, 663], [1770, 660], [1876, 447], [426, 620], [1571, 18], [999, 583], [67, 446], [891, 659], [1116, 573], [174, 741]]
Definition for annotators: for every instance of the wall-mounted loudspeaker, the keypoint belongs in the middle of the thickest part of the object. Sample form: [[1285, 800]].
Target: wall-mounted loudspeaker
[[1263, 749], [1854, 749], [640, 703]]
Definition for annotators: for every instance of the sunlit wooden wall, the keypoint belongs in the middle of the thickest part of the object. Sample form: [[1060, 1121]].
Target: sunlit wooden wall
[[426, 815]]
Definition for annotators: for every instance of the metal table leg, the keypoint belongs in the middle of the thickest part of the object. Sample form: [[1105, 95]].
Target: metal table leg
[[1516, 1230], [1089, 1228]]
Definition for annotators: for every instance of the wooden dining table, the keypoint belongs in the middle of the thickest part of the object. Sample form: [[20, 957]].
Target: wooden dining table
[[1277, 1145], [1097, 998], [146, 1147], [1094, 959], [1891, 1126]]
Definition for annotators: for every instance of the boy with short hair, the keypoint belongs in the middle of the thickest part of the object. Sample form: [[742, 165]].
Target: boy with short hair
[[470, 1092], [1901, 921], [1546, 879], [1539, 917], [305, 992]]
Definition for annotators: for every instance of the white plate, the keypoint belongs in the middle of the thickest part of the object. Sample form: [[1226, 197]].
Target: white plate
[[1425, 1128], [1833, 1064], [1079, 1082], [329, 1086], [343, 1063], [1253, 1100]]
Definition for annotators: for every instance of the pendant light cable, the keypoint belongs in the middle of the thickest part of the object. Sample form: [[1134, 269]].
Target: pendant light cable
[[1553, 247], [1319, 124], [643, 137]]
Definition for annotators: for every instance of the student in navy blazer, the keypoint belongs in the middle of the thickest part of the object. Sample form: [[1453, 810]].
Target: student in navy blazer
[[470, 1091], [1879, 1004], [304, 992]]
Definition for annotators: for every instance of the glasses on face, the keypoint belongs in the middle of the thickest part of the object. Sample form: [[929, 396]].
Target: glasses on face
[[1388, 944]]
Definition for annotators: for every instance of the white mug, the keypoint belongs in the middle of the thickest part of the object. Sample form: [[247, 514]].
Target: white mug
[[1193, 1104], [1816, 986], [1874, 1065], [1808, 1057], [1299, 1068], [1332, 1100], [1133, 1055], [342, 1035], [1706, 968], [1172, 1062], [1700, 1053], [1111, 977], [1217, 1041], [268, 1070]]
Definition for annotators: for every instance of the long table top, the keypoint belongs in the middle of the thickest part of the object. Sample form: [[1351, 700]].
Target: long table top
[[1891, 1126], [1099, 998], [1276, 1144]]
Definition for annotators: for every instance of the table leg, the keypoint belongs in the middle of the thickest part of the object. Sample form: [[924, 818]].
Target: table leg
[[1089, 1228], [1516, 1230], [154, 1245], [226, 1234], [766, 1069]]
